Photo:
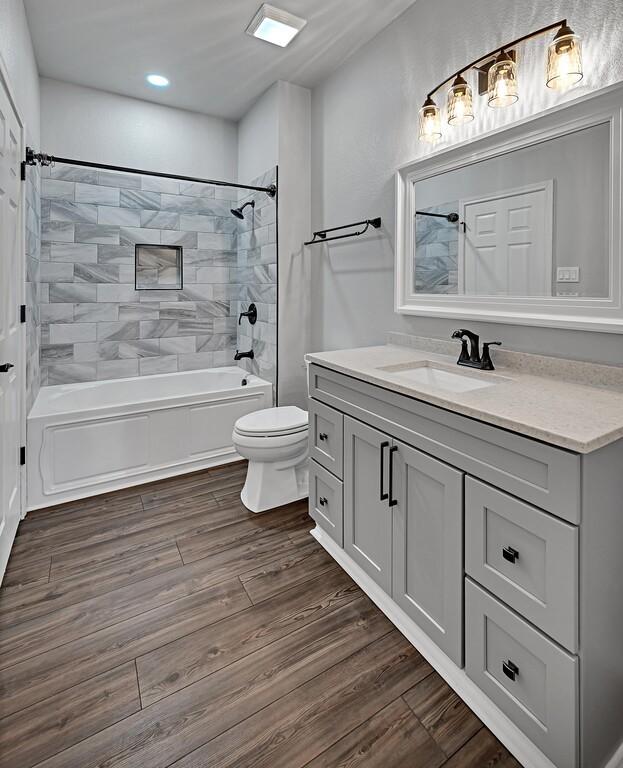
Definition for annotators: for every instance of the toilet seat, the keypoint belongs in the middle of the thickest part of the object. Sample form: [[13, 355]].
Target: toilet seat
[[273, 422]]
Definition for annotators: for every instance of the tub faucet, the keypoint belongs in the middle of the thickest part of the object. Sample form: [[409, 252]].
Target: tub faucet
[[239, 355]]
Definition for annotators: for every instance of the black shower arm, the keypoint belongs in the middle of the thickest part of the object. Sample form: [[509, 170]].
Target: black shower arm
[[451, 217]]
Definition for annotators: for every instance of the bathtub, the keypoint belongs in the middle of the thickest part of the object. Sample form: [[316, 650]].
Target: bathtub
[[85, 439]]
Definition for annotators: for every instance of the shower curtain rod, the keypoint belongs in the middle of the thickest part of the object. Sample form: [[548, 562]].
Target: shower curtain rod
[[32, 158]]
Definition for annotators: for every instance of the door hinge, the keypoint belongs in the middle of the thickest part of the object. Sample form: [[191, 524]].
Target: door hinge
[[22, 313], [22, 455]]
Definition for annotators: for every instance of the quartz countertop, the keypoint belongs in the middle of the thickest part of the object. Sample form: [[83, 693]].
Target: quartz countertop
[[564, 408]]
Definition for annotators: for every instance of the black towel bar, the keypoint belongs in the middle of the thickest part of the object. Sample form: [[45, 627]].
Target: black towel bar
[[321, 235]]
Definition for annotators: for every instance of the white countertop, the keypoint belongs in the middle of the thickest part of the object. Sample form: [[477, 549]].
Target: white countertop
[[569, 413]]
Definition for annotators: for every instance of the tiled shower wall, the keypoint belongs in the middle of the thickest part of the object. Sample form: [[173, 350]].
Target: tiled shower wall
[[33, 252], [94, 324], [257, 273], [436, 246]]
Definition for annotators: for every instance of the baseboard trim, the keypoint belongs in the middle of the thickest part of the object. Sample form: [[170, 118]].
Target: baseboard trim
[[497, 722]]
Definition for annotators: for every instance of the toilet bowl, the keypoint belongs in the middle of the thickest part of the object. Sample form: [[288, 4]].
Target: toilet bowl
[[274, 441]]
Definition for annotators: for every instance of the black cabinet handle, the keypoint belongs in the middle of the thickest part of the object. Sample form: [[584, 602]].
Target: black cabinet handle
[[323, 436], [6, 367], [510, 670], [322, 501], [392, 500], [382, 495], [510, 554]]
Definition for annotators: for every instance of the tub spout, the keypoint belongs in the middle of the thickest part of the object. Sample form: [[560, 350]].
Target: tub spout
[[239, 355]]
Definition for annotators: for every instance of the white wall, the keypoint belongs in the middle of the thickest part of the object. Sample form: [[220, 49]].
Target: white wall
[[87, 124], [276, 131], [19, 60], [364, 125], [294, 227], [258, 137]]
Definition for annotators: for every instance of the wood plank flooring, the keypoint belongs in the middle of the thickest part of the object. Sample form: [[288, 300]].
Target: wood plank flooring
[[165, 625]]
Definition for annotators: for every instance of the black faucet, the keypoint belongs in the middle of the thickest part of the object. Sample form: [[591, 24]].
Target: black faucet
[[251, 313], [472, 358], [239, 355]]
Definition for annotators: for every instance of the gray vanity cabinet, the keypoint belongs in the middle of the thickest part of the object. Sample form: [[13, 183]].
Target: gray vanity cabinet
[[428, 545], [367, 514], [503, 551]]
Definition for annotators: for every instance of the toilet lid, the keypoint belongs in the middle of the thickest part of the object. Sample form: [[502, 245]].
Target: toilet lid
[[273, 421]]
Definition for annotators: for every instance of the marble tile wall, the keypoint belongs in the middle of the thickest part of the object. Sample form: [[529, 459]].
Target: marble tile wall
[[94, 324], [257, 274], [436, 252], [33, 254]]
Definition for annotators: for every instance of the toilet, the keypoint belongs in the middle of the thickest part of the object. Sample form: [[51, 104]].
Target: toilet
[[274, 441]]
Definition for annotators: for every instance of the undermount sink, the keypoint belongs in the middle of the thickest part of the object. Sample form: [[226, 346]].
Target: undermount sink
[[435, 377]]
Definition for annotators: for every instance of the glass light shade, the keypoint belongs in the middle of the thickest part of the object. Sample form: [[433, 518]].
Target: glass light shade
[[502, 82], [564, 60], [460, 103], [430, 122]]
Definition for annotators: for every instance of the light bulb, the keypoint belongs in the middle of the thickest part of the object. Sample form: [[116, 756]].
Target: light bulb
[[460, 103], [564, 60], [502, 82], [430, 121]]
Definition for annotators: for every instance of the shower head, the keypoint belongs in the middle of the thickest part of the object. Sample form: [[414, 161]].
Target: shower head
[[238, 212]]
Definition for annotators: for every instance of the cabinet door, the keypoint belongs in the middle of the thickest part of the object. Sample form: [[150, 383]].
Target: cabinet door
[[428, 545], [367, 515]]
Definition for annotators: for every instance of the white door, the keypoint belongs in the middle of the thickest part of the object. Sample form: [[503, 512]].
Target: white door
[[506, 246], [11, 335]]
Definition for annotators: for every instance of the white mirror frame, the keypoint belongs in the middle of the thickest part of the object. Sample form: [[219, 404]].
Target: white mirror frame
[[604, 106]]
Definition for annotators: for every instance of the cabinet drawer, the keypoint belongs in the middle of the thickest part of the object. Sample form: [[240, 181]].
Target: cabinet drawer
[[326, 436], [531, 679], [524, 556], [325, 502]]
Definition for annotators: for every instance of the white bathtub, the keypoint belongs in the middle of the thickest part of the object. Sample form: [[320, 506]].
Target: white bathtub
[[90, 438]]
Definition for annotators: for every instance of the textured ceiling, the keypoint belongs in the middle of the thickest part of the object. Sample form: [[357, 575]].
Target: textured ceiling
[[200, 45]]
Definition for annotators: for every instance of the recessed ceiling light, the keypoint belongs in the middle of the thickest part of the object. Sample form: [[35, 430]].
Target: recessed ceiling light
[[275, 26], [158, 80]]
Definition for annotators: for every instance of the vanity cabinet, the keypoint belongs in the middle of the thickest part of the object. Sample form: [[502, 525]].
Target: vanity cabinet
[[470, 538]]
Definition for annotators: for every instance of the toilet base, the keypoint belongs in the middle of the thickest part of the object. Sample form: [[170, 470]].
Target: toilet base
[[273, 484]]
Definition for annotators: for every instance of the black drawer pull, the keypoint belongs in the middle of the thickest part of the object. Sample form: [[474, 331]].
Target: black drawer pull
[[323, 436], [383, 496], [510, 554], [392, 501], [510, 670], [322, 501]]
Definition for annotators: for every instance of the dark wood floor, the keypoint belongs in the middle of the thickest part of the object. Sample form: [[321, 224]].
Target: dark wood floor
[[167, 626]]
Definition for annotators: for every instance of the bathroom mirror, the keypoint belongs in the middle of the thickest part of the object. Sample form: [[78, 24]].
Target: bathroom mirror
[[519, 226], [158, 267]]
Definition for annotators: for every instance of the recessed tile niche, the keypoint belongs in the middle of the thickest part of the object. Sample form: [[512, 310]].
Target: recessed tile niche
[[158, 267]]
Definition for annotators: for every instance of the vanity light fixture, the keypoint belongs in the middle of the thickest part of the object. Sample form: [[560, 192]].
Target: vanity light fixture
[[460, 102], [275, 26], [430, 121], [502, 82], [564, 60], [498, 78]]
